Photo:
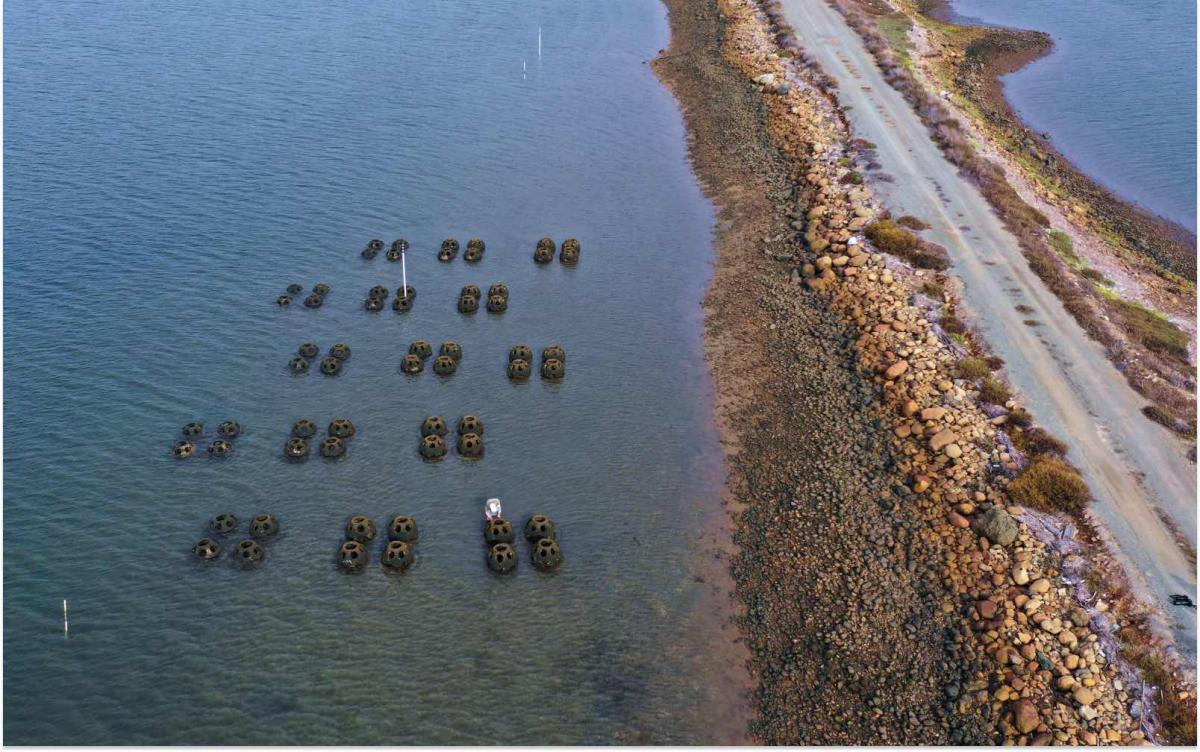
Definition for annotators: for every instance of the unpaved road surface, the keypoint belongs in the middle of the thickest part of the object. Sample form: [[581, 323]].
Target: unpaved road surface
[[1136, 469]]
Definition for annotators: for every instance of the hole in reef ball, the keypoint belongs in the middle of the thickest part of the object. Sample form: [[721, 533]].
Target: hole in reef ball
[[230, 429], [470, 424], [374, 305], [283, 301], [341, 351], [421, 349], [333, 447], [223, 524], [321, 289], [295, 448], [433, 447], [444, 365], [220, 448], [308, 350], [264, 526], [342, 428], [295, 289], [183, 449], [472, 290], [537, 527], [519, 370], [502, 558], [304, 428], [352, 556], [378, 291], [403, 528], [248, 553], [468, 304], [554, 352], [331, 366], [193, 429], [412, 364], [451, 349], [402, 305], [361, 529], [398, 555], [546, 554], [207, 549], [434, 425], [498, 530]]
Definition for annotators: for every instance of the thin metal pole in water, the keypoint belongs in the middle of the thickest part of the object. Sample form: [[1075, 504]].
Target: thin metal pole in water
[[404, 275], [66, 624]]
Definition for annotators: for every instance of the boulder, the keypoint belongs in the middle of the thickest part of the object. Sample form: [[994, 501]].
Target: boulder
[[1025, 716], [996, 525]]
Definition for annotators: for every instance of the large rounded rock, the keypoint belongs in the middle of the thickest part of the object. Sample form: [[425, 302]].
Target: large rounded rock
[[434, 425], [304, 428], [546, 554], [398, 555], [223, 524], [264, 526], [539, 526], [353, 556], [403, 528], [361, 529], [997, 525], [248, 553], [502, 558]]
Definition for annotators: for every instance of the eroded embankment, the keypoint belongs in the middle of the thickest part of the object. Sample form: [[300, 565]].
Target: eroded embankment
[[892, 593]]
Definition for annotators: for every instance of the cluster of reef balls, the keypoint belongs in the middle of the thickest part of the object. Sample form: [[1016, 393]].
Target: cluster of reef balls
[[315, 300], [419, 351], [434, 445], [398, 553], [554, 363], [330, 365], [248, 552], [545, 552], [333, 446], [193, 433]]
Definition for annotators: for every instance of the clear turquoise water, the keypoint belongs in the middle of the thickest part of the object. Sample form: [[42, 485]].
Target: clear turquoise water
[[1117, 94], [170, 167]]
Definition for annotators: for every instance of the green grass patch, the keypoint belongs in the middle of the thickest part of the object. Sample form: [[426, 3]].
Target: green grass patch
[[1152, 329], [896, 28]]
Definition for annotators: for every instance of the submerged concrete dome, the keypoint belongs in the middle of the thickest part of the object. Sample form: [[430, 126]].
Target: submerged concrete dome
[[398, 555], [223, 524], [546, 554], [207, 549], [403, 528], [353, 556], [264, 526], [539, 526], [502, 558], [361, 529], [248, 553]]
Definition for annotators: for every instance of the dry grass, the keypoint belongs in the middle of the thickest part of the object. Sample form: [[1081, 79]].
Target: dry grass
[[912, 223], [1036, 441], [1050, 484], [1152, 329], [994, 391], [974, 368]]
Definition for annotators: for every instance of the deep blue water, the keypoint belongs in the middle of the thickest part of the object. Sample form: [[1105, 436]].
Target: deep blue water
[[1117, 94], [169, 168]]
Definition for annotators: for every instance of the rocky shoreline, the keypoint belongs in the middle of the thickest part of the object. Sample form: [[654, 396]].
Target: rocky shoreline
[[869, 476]]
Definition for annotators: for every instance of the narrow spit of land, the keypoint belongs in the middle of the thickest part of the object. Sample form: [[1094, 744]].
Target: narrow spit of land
[[1135, 467]]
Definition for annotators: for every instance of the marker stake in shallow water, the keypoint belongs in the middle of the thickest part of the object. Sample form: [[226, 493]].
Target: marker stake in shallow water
[[66, 624]]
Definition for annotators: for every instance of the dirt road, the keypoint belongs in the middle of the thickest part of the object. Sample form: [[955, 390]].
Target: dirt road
[[1135, 467]]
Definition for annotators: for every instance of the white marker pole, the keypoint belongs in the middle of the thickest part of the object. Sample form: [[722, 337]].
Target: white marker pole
[[404, 275], [66, 624]]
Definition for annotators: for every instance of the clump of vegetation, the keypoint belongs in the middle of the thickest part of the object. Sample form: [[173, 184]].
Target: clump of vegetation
[[994, 391], [1020, 418], [1178, 717], [912, 223], [1050, 484], [933, 290], [852, 178], [890, 237], [995, 362], [974, 368], [929, 256], [953, 324], [1096, 275], [1063, 245], [1152, 329], [1037, 441]]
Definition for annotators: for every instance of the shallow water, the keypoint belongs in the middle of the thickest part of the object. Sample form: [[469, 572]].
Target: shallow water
[[1117, 94], [170, 169]]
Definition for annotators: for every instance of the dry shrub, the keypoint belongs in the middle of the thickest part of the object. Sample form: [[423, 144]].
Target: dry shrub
[[1037, 441], [953, 324], [1050, 484], [973, 368], [1020, 418], [994, 391], [912, 223], [890, 237], [1152, 329]]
